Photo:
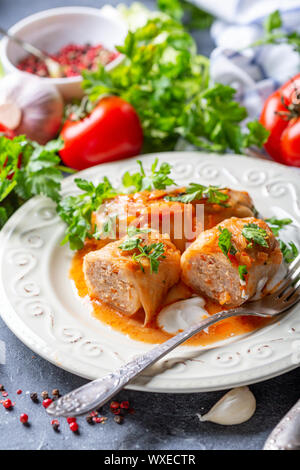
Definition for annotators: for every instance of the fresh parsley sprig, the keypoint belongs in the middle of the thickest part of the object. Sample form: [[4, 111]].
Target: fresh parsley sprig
[[273, 33], [225, 243], [27, 169], [289, 251], [181, 10], [195, 191], [255, 235], [159, 178], [154, 252], [277, 224], [76, 211]]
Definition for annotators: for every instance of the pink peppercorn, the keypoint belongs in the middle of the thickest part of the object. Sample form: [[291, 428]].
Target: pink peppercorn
[[47, 402], [24, 418], [74, 426], [99, 419], [124, 405], [19, 392], [71, 420], [114, 405], [7, 404], [73, 59]]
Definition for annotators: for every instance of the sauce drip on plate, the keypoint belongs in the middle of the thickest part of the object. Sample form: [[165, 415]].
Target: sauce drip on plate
[[133, 326]]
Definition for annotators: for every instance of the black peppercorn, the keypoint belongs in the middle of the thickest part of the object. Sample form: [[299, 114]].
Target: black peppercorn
[[89, 419], [34, 397], [55, 425], [119, 419]]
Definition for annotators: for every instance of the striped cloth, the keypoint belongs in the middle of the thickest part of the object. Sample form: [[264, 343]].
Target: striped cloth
[[254, 72]]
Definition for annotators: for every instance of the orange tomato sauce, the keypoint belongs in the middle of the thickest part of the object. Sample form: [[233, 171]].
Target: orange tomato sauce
[[133, 326]]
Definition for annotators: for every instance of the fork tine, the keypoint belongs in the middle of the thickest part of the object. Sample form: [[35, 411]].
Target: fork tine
[[293, 271], [293, 298], [290, 289]]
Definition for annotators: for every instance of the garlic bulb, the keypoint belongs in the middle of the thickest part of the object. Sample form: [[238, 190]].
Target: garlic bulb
[[30, 106], [235, 407]]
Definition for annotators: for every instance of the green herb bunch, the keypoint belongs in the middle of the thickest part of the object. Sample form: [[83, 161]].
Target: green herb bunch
[[27, 169], [167, 83]]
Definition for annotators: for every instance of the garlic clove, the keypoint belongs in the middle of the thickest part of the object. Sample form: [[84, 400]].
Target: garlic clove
[[40, 103], [235, 407], [10, 115]]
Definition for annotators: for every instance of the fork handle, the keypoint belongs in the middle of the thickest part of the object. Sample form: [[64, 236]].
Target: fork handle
[[96, 393], [286, 435]]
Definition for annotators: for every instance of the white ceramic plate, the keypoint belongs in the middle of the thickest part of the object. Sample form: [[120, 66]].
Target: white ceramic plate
[[38, 302]]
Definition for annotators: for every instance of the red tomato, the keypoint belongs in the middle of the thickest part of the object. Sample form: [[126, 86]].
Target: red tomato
[[281, 116], [4, 131], [110, 132]]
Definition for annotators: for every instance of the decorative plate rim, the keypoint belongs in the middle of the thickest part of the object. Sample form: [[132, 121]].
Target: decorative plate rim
[[261, 368]]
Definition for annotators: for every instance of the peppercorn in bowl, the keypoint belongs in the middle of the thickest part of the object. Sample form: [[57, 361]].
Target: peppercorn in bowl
[[77, 37]]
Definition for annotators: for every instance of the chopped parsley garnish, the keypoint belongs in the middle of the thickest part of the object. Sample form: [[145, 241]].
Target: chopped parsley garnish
[[132, 230], [226, 246], [195, 191], [130, 244], [159, 178], [225, 243], [154, 251], [255, 234], [242, 271], [277, 224], [108, 229], [289, 251]]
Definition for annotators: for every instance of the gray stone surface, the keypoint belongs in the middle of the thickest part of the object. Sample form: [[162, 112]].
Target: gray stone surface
[[161, 421]]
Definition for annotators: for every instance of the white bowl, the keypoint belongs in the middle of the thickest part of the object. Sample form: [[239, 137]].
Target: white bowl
[[52, 29]]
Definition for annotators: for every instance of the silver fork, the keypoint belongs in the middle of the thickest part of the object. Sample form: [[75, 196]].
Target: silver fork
[[96, 393]]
